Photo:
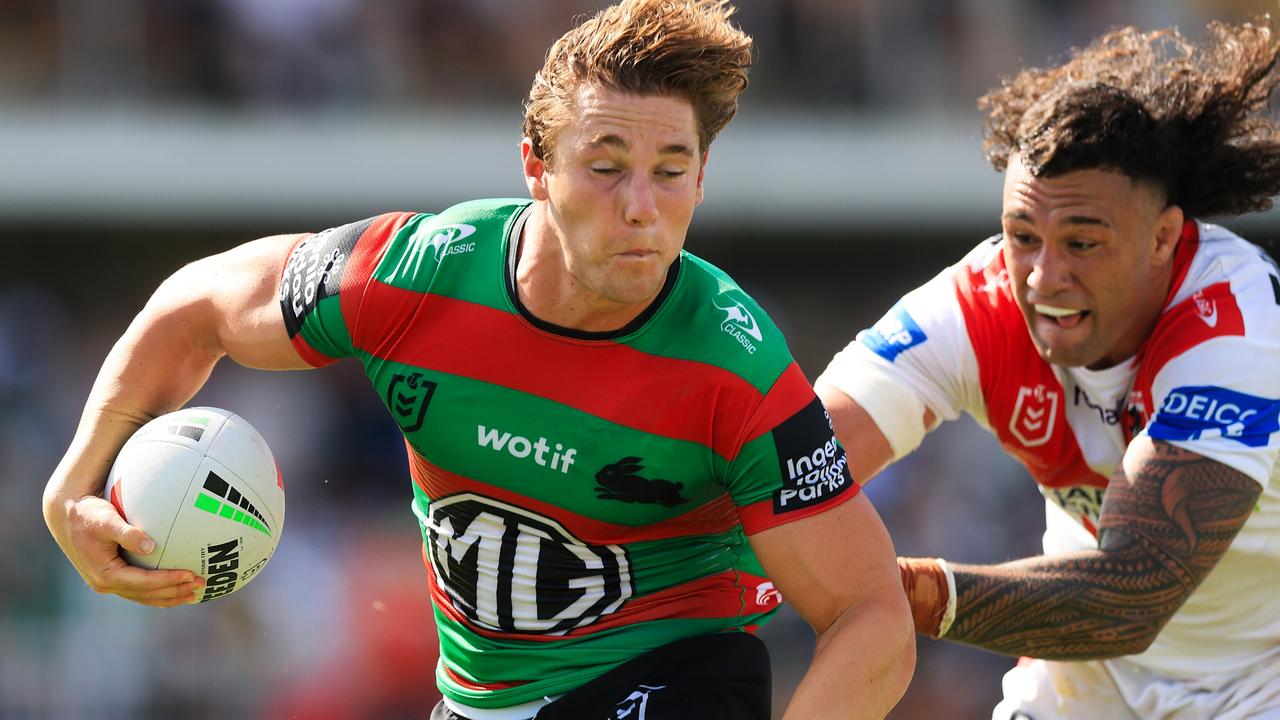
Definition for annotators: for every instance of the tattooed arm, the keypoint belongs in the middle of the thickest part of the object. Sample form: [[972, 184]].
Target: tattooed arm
[[1167, 518]]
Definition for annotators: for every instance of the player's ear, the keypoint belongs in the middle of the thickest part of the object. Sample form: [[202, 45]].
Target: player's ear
[[1168, 231], [702, 171], [535, 170]]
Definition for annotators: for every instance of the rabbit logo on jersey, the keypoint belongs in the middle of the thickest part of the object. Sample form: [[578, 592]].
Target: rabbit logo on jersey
[[1204, 412], [812, 463], [893, 334]]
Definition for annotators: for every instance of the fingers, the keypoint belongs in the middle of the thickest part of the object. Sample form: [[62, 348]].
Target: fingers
[[157, 588], [131, 538], [98, 534]]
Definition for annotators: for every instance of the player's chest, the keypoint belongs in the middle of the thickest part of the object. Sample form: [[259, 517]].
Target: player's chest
[[1068, 428], [626, 455]]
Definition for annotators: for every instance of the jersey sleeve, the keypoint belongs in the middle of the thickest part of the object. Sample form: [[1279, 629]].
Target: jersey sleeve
[[790, 465], [325, 280], [1217, 391], [917, 356]]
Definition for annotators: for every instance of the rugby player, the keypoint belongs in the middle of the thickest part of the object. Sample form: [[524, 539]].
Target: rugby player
[[1127, 353], [617, 467]]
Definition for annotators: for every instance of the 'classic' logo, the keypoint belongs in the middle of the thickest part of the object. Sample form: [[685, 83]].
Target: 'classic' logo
[[740, 324], [445, 240]]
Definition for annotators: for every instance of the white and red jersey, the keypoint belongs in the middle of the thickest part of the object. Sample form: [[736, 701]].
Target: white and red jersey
[[1207, 380]]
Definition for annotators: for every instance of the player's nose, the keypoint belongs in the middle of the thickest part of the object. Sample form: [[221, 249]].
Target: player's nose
[[639, 200]]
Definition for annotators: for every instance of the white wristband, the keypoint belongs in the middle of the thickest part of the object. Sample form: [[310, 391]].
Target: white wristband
[[949, 616]]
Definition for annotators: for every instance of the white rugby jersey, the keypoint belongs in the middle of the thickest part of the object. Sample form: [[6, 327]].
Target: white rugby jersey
[[1207, 380]]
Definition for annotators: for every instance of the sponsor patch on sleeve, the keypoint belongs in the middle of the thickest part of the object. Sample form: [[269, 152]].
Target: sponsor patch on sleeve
[[1203, 412], [314, 272], [894, 334], [812, 464]]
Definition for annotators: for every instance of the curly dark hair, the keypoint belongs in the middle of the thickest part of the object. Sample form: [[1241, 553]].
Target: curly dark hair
[[1192, 118]]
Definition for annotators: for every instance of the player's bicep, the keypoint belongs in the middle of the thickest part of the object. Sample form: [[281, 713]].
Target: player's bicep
[[231, 302], [1182, 508], [826, 563]]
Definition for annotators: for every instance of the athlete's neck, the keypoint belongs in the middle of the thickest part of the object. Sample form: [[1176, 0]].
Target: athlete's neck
[[549, 290]]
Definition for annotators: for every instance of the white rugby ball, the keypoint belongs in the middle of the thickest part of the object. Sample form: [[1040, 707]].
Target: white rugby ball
[[203, 484]]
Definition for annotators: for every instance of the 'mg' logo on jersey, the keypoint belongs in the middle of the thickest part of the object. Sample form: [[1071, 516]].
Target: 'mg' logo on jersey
[[508, 569]]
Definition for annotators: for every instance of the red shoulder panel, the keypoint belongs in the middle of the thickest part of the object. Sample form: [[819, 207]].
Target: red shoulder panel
[[1211, 312], [364, 259]]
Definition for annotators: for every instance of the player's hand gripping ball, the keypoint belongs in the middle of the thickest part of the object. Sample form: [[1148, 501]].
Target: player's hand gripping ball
[[204, 485]]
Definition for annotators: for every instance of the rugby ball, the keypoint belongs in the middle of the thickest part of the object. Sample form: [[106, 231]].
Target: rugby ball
[[202, 483]]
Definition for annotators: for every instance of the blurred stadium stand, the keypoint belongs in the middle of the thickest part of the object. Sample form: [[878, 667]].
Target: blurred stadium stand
[[137, 135]]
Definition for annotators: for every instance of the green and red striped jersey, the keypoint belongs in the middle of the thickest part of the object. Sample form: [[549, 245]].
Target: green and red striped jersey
[[583, 497]]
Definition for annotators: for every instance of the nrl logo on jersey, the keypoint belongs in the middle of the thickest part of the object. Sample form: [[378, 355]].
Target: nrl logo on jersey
[[739, 324], [408, 397], [1034, 414]]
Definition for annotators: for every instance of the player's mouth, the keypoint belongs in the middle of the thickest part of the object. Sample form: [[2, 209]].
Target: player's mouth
[[1063, 317], [638, 254]]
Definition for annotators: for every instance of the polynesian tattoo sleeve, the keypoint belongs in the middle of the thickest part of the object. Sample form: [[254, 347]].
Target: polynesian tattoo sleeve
[[1165, 523]]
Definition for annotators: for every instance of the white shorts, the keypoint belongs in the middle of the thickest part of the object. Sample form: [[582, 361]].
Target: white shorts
[[1120, 690]]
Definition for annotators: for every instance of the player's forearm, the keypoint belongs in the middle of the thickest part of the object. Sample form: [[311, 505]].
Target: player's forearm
[[861, 666], [1084, 606], [1168, 517]]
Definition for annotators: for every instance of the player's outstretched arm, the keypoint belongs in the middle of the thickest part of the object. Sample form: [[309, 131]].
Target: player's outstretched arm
[[1167, 518], [221, 305], [865, 444], [837, 570]]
